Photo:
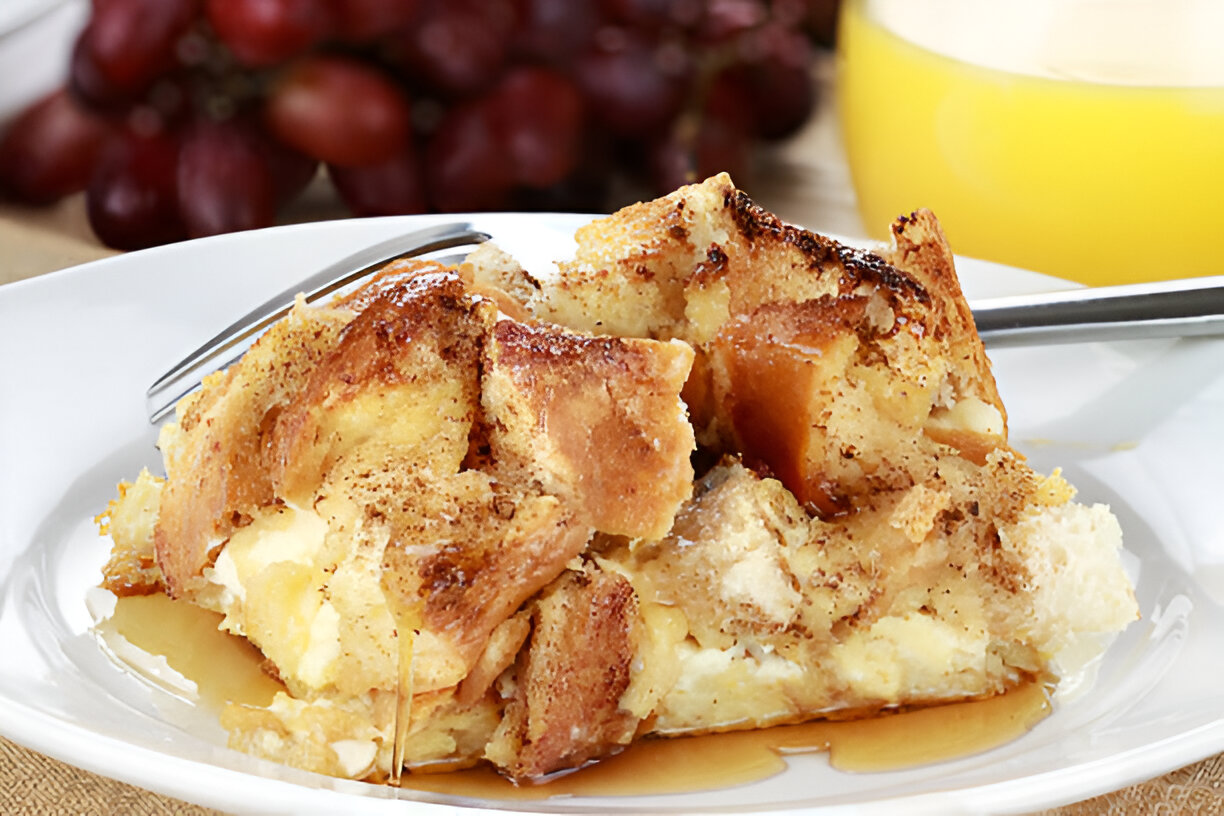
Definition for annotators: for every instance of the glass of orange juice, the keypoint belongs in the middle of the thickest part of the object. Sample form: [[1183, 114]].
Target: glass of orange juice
[[1080, 138]]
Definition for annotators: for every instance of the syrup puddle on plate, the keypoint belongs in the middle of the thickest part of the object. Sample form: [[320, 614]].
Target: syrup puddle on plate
[[224, 668], [888, 742], [151, 632]]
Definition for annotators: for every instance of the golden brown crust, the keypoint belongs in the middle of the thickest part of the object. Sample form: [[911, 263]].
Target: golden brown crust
[[577, 665], [467, 567], [217, 455], [921, 250], [390, 280], [419, 335], [677, 265], [594, 419], [706, 265]]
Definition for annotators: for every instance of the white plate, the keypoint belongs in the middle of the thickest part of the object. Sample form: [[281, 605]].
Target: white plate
[[1139, 425]]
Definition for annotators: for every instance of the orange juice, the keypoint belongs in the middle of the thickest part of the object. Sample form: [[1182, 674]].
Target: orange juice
[[1036, 142]]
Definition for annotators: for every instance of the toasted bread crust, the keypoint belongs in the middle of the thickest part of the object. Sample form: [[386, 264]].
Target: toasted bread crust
[[571, 677], [921, 250], [593, 418], [417, 337], [217, 454]]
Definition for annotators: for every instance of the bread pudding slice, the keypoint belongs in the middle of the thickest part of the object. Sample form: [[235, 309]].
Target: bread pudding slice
[[717, 473]]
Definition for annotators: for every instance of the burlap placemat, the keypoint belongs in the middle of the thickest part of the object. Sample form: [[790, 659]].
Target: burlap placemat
[[34, 785], [35, 241]]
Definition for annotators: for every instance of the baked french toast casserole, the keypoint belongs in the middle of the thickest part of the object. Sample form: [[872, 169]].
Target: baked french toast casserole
[[714, 472]]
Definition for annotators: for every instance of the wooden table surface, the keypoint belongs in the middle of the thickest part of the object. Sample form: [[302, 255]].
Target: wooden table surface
[[804, 181]]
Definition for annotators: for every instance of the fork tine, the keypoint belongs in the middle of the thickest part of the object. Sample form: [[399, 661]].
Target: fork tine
[[230, 344]]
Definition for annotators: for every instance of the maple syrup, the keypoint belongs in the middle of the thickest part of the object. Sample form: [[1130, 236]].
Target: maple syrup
[[887, 742], [223, 667], [227, 668]]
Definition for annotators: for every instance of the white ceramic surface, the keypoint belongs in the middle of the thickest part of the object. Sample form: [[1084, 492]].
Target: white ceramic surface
[[1139, 425], [36, 38]]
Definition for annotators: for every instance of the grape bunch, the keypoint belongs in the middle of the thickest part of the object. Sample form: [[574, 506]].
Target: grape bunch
[[185, 118]]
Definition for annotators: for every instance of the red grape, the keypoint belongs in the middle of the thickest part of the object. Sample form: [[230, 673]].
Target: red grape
[[132, 200], [87, 81], [553, 31], [820, 20], [339, 110], [457, 49], [466, 166], [126, 45], [587, 189], [538, 117], [634, 87], [776, 76], [728, 99], [393, 187], [716, 138], [50, 150], [361, 21], [291, 171], [446, 105], [652, 13], [265, 32], [724, 20], [717, 146], [224, 183]]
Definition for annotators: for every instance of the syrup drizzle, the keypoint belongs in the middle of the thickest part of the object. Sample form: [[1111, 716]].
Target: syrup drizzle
[[887, 742], [226, 668]]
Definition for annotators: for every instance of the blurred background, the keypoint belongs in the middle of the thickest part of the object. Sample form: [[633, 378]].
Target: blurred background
[[1078, 138], [184, 118]]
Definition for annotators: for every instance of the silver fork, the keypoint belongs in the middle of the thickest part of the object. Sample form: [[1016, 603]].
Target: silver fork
[[1185, 307], [1176, 308], [233, 341]]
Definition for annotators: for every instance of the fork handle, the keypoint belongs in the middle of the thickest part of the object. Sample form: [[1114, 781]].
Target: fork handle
[[1176, 308]]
